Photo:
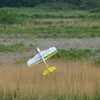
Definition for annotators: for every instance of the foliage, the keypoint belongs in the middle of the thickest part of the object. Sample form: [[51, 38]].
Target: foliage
[[86, 4], [51, 23], [7, 16], [32, 3], [96, 10], [73, 54]]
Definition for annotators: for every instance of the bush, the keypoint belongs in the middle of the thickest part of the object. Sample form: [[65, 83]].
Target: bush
[[7, 16], [74, 54]]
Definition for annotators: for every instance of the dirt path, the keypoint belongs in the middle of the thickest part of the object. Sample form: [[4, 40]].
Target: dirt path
[[60, 43], [45, 43]]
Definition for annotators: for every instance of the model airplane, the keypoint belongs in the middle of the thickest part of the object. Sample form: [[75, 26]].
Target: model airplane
[[43, 56]]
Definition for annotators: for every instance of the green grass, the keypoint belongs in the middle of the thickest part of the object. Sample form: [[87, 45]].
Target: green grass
[[51, 23], [96, 10], [74, 55], [15, 48], [55, 97], [52, 13], [81, 28]]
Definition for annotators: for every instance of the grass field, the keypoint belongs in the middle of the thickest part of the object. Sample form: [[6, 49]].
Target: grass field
[[71, 81], [15, 48], [78, 70], [51, 23]]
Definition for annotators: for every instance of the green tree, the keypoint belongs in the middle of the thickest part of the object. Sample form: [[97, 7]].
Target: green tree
[[32, 3]]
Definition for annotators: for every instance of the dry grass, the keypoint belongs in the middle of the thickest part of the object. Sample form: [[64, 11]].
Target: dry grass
[[69, 78]]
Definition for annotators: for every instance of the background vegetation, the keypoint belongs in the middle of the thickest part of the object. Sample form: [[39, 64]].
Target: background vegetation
[[51, 23], [7, 16], [82, 4]]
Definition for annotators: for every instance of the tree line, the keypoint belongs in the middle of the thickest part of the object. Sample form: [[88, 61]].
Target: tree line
[[32, 3]]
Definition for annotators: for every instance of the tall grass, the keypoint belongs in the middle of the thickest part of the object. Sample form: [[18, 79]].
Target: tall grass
[[70, 80]]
